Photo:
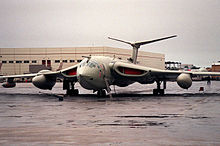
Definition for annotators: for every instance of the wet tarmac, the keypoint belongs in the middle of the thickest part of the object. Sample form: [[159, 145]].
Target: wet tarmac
[[29, 116]]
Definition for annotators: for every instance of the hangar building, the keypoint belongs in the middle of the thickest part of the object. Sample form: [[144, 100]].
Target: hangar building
[[31, 60]]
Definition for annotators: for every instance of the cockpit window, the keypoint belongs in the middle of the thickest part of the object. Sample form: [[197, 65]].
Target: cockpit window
[[83, 63], [91, 64]]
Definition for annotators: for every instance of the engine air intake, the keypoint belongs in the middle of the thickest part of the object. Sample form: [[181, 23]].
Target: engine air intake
[[130, 71]]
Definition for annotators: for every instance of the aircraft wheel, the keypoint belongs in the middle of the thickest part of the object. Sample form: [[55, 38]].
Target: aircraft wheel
[[60, 98], [155, 91], [101, 93], [158, 91], [161, 91], [76, 92], [72, 92]]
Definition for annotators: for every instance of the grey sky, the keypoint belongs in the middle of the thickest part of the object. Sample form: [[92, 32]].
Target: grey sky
[[69, 23]]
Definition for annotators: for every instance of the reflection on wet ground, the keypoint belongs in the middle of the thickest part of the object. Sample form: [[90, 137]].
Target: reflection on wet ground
[[29, 116]]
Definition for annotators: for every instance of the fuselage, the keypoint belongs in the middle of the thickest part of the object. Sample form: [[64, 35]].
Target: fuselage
[[93, 71], [96, 73]]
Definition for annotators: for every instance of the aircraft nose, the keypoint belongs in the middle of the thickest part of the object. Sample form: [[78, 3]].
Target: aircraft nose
[[85, 75], [89, 78], [85, 78]]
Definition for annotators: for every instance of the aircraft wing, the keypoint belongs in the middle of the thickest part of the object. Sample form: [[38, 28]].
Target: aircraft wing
[[19, 76], [69, 72], [143, 74], [206, 73]]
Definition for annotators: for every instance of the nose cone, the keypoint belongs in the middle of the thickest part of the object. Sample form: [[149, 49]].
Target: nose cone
[[85, 79], [89, 78]]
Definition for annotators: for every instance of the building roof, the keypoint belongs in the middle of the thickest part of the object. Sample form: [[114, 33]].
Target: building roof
[[218, 63]]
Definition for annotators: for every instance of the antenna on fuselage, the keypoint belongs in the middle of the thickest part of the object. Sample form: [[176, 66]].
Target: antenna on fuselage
[[136, 45]]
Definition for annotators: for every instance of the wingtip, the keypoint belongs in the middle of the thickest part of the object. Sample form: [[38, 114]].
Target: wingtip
[[172, 36]]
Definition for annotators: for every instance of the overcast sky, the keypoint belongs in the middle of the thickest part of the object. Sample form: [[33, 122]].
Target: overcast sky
[[70, 23]]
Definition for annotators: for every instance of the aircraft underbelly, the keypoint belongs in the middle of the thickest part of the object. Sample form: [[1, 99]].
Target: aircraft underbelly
[[91, 84]]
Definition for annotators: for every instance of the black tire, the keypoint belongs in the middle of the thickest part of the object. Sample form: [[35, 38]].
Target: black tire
[[60, 98], [68, 92], [161, 91], [155, 91], [101, 93], [158, 91], [76, 92], [72, 92]]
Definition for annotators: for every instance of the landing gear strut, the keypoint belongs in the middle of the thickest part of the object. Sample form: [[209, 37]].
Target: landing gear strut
[[69, 87], [159, 91]]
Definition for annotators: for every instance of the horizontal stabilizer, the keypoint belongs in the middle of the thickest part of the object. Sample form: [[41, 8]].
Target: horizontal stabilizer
[[120, 40], [139, 43], [152, 41]]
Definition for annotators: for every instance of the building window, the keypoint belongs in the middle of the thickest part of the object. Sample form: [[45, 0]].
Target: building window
[[10, 61], [43, 62], [26, 61], [57, 61], [34, 61], [64, 61], [71, 61], [79, 60], [18, 61], [48, 63], [4, 61]]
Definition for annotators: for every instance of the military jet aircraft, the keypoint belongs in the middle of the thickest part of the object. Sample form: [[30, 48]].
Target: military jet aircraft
[[98, 73]]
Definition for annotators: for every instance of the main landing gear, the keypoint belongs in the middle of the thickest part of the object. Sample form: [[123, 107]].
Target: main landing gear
[[69, 87], [159, 91]]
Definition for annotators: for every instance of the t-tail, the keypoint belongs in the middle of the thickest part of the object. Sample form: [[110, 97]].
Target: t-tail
[[136, 45]]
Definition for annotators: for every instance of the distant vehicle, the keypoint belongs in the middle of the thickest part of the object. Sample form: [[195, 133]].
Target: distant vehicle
[[98, 73], [1, 80]]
